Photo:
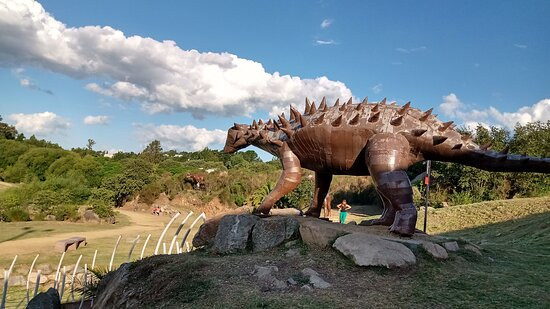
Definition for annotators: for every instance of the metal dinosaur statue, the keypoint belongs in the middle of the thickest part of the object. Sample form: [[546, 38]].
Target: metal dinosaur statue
[[377, 139]]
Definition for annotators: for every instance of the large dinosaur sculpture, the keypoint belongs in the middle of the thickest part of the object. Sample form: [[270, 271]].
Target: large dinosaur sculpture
[[374, 139]]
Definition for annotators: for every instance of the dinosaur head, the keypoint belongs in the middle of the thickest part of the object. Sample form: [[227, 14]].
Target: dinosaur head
[[236, 138]]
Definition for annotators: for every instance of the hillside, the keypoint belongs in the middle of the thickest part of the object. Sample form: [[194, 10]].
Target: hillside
[[510, 272]]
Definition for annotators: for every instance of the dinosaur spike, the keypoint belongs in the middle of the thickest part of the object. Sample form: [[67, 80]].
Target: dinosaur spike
[[276, 142], [465, 137], [365, 100], [277, 126], [337, 103], [263, 135], [505, 150], [308, 106], [397, 121], [288, 132], [313, 109], [269, 123], [260, 122], [393, 103], [444, 126], [323, 104], [292, 116], [359, 106], [404, 109], [426, 114], [376, 108], [383, 102], [337, 122], [320, 119], [457, 147], [325, 108], [350, 101], [303, 121], [254, 125], [342, 108], [374, 117], [283, 120], [418, 132], [354, 120], [438, 139]]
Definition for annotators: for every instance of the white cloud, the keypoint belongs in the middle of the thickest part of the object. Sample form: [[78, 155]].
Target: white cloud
[[41, 124], [26, 82], [377, 88], [99, 119], [186, 138], [326, 42], [159, 75], [411, 50], [326, 23], [453, 107], [522, 46]]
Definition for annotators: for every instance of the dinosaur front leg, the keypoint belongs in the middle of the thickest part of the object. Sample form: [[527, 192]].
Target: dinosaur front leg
[[322, 185], [387, 158], [290, 178]]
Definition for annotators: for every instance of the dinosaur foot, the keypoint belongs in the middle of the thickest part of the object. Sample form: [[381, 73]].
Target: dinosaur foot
[[262, 211], [316, 213], [405, 222], [380, 221]]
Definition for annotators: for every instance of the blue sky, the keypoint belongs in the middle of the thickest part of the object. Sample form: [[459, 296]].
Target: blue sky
[[474, 61]]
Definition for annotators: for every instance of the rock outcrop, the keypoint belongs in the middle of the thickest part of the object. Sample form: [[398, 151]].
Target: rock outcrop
[[46, 300], [233, 233]]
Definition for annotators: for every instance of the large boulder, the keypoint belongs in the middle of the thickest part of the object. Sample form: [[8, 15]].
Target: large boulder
[[233, 233], [320, 233], [112, 292], [207, 231], [368, 250], [435, 250], [46, 300], [273, 231], [90, 215]]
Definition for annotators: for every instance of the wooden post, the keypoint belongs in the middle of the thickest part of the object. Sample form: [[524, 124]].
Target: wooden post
[[427, 182]]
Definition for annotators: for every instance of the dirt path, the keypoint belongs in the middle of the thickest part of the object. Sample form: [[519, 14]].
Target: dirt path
[[139, 223]]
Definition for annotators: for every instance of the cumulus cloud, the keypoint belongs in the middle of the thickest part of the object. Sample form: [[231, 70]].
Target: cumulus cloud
[[99, 119], [326, 23], [186, 138], [377, 88], [159, 75], [41, 124], [453, 107]]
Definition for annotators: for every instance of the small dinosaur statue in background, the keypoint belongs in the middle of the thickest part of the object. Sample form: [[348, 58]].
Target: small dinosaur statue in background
[[373, 139]]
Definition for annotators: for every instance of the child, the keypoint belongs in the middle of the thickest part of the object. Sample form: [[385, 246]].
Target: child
[[344, 207]]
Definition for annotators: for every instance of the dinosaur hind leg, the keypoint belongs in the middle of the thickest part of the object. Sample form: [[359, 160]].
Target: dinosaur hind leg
[[322, 185], [387, 158], [388, 214]]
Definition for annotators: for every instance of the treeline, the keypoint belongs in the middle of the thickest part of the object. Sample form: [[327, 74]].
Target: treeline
[[55, 182]]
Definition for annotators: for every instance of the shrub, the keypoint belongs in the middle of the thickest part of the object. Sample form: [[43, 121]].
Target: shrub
[[150, 193], [102, 201], [66, 212], [17, 214]]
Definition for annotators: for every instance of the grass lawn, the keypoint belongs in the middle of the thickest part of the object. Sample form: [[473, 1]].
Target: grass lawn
[[32, 229]]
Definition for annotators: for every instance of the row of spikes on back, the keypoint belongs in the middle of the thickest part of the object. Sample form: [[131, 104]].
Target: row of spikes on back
[[297, 118]]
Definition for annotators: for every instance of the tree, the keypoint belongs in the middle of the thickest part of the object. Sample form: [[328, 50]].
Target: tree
[[90, 144], [153, 152], [7, 131]]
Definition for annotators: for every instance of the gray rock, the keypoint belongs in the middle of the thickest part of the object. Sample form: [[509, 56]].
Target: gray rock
[[269, 281], [89, 215], [352, 223], [273, 231], [292, 252], [49, 218], [291, 281], [46, 269], [451, 246], [233, 233], [291, 243], [368, 250], [473, 249], [111, 290], [315, 279], [319, 233], [43, 278], [435, 250], [45, 300], [307, 287]]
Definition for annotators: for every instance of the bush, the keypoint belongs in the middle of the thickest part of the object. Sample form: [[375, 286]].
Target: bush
[[102, 201], [150, 193], [66, 212], [17, 214]]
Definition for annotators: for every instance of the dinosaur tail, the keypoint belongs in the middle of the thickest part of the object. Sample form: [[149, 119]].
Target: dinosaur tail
[[500, 162]]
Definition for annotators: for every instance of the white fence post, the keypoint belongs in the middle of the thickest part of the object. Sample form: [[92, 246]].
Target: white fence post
[[93, 259], [37, 283], [178, 231], [63, 280], [29, 276], [132, 248], [85, 285], [144, 245], [55, 282], [164, 232], [74, 275], [114, 251], [203, 216]]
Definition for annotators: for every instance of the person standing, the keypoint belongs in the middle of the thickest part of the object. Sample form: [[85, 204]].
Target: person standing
[[344, 207]]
